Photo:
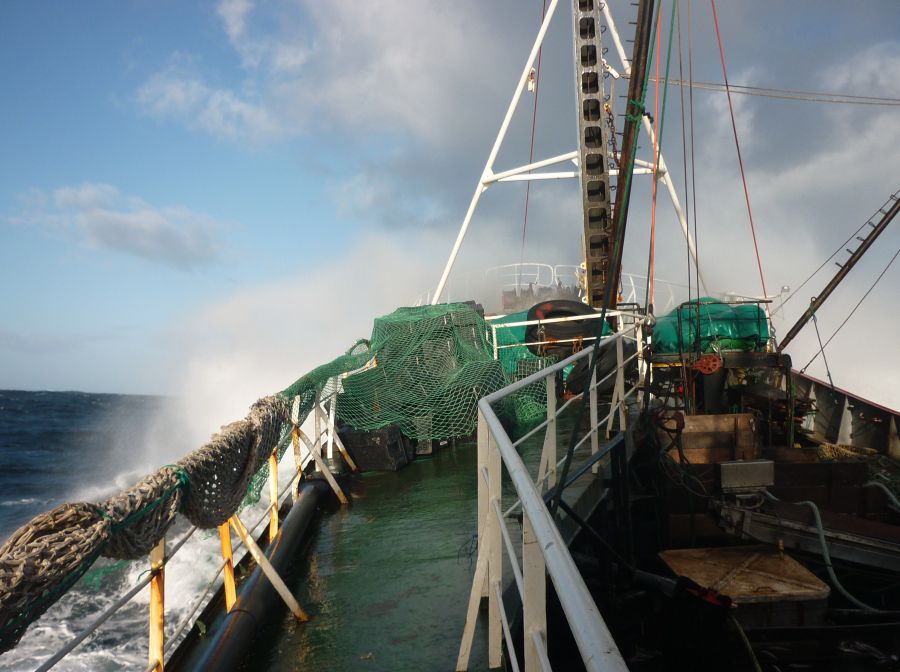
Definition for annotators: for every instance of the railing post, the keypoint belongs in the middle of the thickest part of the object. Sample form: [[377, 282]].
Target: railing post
[[483, 507], [263, 562], [317, 442], [299, 455], [534, 601], [273, 495], [321, 465], [157, 605], [548, 454], [595, 437], [493, 540], [228, 570], [620, 382], [332, 409], [643, 368]]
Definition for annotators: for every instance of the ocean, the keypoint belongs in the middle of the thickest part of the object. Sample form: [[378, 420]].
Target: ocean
[[75, 446]]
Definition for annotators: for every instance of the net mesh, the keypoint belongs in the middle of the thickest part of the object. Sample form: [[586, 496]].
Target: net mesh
[[424, 369]]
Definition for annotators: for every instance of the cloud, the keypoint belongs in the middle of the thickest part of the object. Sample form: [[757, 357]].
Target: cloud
[[101, 216], [221, 113], [311, 65]]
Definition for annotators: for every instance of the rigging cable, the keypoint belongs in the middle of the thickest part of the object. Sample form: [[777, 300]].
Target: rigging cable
[[687, 201], [693, 162], [737, 145], [822, 350], [657, 142], [846, 319], [537, 82], [833, 255], [790, 94], [648, 297]]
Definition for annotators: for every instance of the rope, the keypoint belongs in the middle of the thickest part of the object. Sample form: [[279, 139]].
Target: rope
[[221, 470], [737, 145], [41, 560], [537, 82]]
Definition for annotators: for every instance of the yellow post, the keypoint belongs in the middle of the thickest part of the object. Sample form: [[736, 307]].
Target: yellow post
[[267, 569], [157, 605], [273, 495], [228, 571]]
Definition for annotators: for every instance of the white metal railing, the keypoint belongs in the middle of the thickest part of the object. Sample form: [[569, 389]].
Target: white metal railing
[[543, 551], [667, 295]]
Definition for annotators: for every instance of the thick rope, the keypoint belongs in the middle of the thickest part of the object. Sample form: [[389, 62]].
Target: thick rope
[[43, 559]]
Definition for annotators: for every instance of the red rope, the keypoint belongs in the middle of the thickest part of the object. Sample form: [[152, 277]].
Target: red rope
[[737, 144], [537, 81]]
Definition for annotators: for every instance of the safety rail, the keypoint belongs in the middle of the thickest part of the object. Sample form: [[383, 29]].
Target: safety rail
[[543, 550], [305, 451]]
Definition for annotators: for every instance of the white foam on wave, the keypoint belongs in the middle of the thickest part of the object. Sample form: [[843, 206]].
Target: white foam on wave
[[25, 501]]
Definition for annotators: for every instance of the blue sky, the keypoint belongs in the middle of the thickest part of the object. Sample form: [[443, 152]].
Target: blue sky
[[189, 187]]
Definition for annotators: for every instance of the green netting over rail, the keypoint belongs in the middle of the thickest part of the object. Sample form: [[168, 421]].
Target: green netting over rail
[[423, 369], [721, 326]]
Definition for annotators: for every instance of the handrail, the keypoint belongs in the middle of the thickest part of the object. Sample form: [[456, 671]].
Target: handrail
[[544, 552]]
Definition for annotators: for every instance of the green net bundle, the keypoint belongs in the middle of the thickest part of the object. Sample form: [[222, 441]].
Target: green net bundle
[[424, 369]]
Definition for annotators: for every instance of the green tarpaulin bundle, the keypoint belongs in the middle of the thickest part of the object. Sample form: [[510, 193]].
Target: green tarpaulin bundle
[[719, 326]]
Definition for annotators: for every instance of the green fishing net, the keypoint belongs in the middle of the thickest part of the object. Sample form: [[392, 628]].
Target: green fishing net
[[424, 369]]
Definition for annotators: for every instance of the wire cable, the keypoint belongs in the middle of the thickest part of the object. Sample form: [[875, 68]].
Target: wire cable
[[537, 83], [684, 152], [850, 314], [737, 145], [693, 162], [790, 94]]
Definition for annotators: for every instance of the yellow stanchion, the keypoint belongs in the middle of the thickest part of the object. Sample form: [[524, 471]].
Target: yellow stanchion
[[228, 570], [273, 495], [267, 569], [157, 605]]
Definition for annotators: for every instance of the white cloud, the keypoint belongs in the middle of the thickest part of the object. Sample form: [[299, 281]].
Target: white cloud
[[220, 112], [101, 216], [311, 64]]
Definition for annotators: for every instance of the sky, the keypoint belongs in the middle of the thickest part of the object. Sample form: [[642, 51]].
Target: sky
[[210, 199]]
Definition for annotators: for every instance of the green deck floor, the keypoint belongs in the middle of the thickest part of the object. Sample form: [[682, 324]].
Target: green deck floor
[[386, 581]]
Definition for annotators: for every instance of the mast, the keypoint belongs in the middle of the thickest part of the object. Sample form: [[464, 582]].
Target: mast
[[817, 301], [593, 158]]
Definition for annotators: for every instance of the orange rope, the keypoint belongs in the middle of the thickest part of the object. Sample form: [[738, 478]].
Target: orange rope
[[737, 144]]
